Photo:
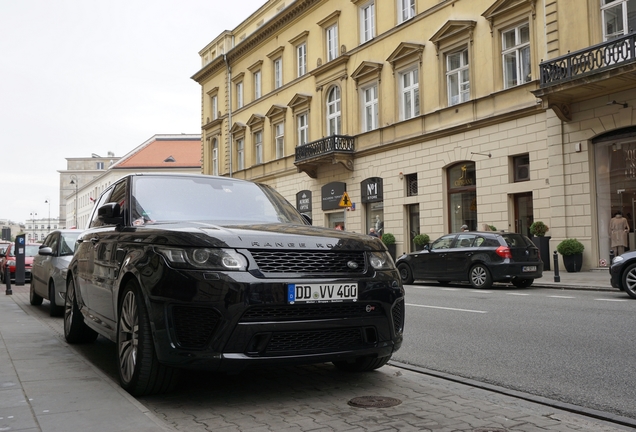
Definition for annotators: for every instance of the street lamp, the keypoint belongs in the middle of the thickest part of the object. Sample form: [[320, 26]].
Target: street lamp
[[75, 182], [33, 215], [48, 228]]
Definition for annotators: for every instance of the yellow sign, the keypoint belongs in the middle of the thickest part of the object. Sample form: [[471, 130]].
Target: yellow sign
[[345, 201]]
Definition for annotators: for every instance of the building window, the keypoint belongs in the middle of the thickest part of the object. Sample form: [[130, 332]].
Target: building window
[[279, 136], [214, 102], [239, 94], [457, 77], [240, 148], [100, 165], [332, 42], [301, 59], [516, 55], [258, 147], [215, 156], [257, 85], [278, 73], [370, 100], [303, 129], [462, 196], [521, 166], [406, 10], [410, 94], [619, 18], [334, 111], [367, 22], [411, 184]]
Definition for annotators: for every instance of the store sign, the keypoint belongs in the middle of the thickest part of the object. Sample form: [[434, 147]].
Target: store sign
[[372, 190], [332, 194], [303, 201]]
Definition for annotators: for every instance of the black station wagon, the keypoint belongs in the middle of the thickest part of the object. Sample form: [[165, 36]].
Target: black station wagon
[[480, 258], [221, 274]]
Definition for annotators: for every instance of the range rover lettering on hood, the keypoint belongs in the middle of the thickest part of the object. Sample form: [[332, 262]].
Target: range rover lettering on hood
[[292, 245]]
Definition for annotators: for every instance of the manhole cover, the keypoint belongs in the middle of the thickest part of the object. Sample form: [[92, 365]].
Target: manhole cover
[[374, 402], [489, 430]]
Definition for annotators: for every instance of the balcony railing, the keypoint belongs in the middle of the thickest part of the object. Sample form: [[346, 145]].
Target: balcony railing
[[325, 146], [607, 55]]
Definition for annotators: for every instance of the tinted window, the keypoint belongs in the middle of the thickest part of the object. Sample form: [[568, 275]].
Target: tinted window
[[465, 240], [516, 240], [67, 246], [443, 242]]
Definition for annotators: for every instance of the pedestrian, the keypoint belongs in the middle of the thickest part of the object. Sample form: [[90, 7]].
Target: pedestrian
[[619, 227], [372, 233], [464, 228]]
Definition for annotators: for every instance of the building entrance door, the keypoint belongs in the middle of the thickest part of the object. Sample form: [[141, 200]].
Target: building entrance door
[[524, 213]]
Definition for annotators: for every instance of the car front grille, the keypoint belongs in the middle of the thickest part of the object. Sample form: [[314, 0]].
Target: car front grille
[[194, 326], [314, 341], [311, 312], [312, 262]]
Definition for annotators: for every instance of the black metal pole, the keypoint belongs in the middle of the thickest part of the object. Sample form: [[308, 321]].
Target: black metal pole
[[7, 279], [557, 278], [611, 256]]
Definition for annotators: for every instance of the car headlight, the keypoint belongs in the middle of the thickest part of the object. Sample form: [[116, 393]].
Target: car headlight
[[617, 259], [204, 258], [380, 260], [11, 263]]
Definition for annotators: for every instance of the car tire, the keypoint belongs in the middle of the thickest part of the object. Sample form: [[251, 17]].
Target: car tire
[[75, 329], [34, 299], [405, 273], [140, 372], [479, 277], [362, 364], [55, 309], [522, 283], [629, 281]]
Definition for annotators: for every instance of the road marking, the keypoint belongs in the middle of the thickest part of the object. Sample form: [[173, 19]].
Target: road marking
[[446, 308], [450, 289], [519, 294], [483, 292], [563, 297], [615, 300]]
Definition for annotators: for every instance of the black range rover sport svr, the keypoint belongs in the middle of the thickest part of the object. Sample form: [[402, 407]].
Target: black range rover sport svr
[[222, 274]]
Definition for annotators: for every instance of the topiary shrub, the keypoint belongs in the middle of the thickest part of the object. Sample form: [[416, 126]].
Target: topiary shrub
[[421, 239], [388, 239], [570, 247], [538, 229]]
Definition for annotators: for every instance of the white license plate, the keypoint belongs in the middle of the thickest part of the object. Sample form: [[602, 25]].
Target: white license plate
[[322, 293], [529, 268]]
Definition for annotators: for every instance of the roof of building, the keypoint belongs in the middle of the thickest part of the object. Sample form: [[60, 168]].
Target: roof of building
[[164, 151]]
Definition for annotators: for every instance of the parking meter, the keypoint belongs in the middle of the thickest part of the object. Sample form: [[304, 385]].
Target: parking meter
[[20, 252]]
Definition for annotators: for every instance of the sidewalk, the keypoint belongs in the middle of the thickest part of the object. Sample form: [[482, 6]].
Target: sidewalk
[[46, 386], [596, 279]]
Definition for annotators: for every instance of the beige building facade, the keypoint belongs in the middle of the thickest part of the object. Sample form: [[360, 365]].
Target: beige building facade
[[432, 114]]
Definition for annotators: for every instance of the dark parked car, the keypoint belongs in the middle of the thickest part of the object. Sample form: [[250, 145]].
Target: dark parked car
[[480, 258], [7, 259], [48, 275], [222, 274], [623, 273]]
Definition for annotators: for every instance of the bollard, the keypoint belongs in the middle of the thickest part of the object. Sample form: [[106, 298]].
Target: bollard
[[7, 278], [611, 256], [557, 278]]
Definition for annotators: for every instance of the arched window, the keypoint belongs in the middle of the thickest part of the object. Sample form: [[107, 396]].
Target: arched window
[[334, 111]]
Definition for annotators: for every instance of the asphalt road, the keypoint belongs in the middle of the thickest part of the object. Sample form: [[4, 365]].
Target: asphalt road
[[576, 347]]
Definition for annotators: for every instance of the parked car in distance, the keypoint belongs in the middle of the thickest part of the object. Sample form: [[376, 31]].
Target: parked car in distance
[[222, 274], [7, 259], [48, 275], [480, 258], [623, 273]]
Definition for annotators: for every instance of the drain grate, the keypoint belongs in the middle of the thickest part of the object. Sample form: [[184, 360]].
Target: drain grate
[[374, 402]]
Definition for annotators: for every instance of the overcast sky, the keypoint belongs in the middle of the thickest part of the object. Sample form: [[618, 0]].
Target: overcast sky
[[85, 76]]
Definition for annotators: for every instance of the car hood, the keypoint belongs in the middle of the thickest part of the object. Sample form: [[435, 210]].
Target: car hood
[[253, 236]]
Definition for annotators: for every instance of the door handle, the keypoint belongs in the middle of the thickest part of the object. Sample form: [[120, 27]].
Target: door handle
[[95, 240]]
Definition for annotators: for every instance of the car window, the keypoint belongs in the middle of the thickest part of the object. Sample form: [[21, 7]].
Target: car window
[[443, 242], [67, 246], [51, 241], [103, 199], [465, 240], [516, 240]]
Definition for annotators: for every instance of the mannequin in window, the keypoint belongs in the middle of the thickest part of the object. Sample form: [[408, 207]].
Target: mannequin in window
[[619, 227]]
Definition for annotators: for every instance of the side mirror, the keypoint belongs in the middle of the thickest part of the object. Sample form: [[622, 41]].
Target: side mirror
[[110, 214], [46, 251]]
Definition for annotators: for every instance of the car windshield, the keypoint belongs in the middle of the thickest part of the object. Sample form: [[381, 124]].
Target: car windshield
[[30, 251], [213, 199], [516, 240], [68, 243]]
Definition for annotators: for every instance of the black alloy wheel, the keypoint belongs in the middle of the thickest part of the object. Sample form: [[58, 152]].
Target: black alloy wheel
[[522, 283], [55, 309], [629, 281], [405, 273], [34, 299]]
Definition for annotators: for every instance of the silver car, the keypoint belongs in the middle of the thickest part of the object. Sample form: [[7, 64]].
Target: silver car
[[49, 269]]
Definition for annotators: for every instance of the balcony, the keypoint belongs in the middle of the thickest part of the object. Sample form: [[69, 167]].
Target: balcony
[[599, 70], [326, 151]]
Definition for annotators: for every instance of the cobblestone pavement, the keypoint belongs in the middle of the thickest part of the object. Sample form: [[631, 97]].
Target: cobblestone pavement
[[288, 399]]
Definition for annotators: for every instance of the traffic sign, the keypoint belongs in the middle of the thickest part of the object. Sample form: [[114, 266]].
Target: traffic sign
[[345, 201]]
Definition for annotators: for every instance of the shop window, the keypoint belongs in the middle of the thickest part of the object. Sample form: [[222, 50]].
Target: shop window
[[462, 196]]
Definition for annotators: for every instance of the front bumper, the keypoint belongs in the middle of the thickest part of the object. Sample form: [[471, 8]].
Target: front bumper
[[234, 320]]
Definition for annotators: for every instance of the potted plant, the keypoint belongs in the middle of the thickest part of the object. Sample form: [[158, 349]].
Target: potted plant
[[421, 240], [389, 240], [572, 252], [541, 241]]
